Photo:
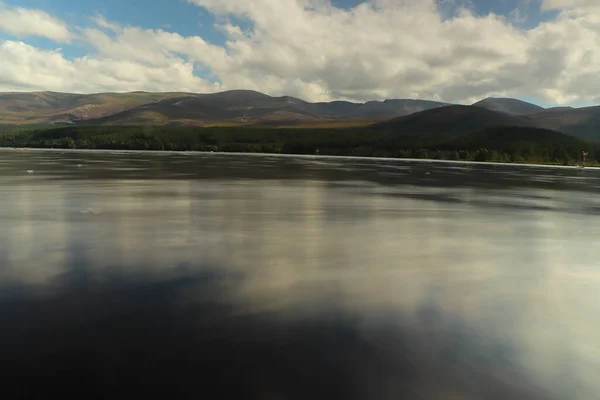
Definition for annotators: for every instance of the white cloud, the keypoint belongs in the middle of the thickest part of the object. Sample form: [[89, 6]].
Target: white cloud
[[388, 48], [22, 22], [25, 67], [379, 49], [520, 14], [313, 50], [567, 4]]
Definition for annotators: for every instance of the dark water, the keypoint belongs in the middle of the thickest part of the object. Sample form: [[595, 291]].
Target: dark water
[[213, 276]]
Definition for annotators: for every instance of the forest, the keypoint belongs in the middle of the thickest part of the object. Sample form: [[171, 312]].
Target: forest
[[502, 144]]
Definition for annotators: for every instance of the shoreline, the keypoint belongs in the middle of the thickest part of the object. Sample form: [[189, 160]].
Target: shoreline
[[308, 156]]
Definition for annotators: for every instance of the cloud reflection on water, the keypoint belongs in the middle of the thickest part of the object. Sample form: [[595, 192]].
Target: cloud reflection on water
[[296, 288]]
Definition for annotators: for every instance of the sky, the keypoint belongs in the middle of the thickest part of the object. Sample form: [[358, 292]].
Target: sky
[[543, 51]]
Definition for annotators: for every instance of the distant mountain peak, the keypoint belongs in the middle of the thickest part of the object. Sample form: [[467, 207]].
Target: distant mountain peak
[[241, 92], [451, 120], [508, 105], [560, 108]]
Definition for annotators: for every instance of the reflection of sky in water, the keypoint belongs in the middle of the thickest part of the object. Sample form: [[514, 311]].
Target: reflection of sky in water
[[496, 287]]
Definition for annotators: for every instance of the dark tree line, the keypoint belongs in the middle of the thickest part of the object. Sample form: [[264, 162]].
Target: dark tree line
[[500, 144]]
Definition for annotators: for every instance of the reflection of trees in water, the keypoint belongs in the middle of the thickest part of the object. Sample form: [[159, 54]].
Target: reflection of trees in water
[[96, 165]]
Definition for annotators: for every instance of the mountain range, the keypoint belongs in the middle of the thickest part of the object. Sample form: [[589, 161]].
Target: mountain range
[[231, 107], [250, 108]]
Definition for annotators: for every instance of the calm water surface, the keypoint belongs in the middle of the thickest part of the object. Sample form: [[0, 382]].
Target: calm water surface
[[263, 277]]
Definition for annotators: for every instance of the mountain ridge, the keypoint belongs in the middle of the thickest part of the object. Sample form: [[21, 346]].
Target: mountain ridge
[[233, 106], [508, 105], [255, 109], [452, 120]]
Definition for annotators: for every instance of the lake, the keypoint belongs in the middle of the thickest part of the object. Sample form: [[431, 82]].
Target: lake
[[277, 277]]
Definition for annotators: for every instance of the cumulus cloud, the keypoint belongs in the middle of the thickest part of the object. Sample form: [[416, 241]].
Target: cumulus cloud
[[389, 48], [23, 22], [378, 49], [314, 50], [149, 47], [25, 67]]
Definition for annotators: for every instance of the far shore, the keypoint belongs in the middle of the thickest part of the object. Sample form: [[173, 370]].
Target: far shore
[[309, 156]]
